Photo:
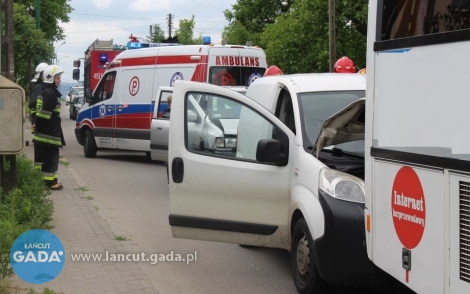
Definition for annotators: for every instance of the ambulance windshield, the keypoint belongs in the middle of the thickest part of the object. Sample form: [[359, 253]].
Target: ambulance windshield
[[234, 75]]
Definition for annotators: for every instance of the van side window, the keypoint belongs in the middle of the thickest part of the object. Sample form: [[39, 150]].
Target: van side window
[[226, 128], [285, 109], [106, 87]]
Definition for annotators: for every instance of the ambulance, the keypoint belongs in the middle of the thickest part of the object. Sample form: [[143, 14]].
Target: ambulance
[[118, 112]]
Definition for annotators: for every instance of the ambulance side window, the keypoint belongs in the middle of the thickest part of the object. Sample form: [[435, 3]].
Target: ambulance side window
[[106, 87]]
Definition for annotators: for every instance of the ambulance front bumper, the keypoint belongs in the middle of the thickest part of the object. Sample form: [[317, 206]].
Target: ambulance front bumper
[[78, 135]]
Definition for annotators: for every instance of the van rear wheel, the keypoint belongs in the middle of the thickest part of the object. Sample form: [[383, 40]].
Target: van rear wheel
[[89, 146]]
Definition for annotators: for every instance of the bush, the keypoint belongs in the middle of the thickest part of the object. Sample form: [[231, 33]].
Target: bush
[[24, 208]]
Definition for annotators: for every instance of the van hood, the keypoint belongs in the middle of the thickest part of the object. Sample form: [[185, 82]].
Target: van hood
[[230, 126], [344, 126]]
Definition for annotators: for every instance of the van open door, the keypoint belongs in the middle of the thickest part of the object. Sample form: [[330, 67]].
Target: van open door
[[160, 126]]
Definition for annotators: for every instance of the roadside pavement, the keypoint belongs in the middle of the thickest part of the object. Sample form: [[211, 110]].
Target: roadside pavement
[[81, 229]]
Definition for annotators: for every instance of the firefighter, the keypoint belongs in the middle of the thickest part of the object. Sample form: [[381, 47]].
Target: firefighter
[[344, 65], [38, 80], [48, 135], [273, 71]]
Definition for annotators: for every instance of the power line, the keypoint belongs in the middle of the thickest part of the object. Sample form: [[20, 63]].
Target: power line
[[84, 32], [127, 17], [111, 16], [191, 9], [205, 6]]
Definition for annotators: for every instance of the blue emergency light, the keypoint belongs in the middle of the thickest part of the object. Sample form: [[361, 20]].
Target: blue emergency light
[[103, 57], [206, 40], [138, 45]]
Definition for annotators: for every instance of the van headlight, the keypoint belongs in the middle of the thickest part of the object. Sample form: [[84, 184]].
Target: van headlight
[[342, 185], [221, 142]]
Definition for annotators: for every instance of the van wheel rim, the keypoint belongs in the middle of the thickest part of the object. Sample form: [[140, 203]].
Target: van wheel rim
[[302, 256]]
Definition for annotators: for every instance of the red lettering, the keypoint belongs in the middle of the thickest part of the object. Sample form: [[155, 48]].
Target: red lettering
[[237, 60], [217, 60], [247, 61], [257, 61], [224, 60], [252, 61], [232, 60]]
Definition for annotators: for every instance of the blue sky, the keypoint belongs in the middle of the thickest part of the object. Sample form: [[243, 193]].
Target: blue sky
[[118, 19]]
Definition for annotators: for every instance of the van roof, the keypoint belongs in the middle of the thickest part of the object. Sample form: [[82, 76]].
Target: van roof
[[317, 82]]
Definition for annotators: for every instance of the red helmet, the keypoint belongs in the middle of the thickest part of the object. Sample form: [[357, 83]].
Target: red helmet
[[344, 64], [273, 71]]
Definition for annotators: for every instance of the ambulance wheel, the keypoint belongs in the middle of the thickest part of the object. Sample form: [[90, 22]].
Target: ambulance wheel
[[304, 269], [89, 146]]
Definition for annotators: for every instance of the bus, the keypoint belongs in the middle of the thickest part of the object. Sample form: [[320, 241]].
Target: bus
[[417, 169]]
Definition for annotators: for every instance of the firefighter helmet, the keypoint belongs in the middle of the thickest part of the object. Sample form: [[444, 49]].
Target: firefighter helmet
[[50, 72], [273, 71], [39, 69], [344, 65]]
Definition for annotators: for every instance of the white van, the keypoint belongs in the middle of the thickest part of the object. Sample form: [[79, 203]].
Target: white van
[[119, 111]]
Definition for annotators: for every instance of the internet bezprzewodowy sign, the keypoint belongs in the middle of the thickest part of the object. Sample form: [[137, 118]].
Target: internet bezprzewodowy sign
[[37, 256]]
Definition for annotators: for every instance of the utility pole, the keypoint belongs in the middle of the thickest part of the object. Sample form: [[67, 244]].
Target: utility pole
[[332, 33], [170, 24], [10, 56], [151, 35], [38, 14]]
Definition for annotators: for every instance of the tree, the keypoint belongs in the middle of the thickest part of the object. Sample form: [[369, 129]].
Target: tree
[[298, 40], [185, 32], [53, 12], [30, 45], [248, 18], [158, 35]]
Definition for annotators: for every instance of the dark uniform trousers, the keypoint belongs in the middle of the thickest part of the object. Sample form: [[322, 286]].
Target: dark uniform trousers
[[46, 159]]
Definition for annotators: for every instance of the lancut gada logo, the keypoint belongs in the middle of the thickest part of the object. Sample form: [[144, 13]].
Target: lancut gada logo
[[37, 256]]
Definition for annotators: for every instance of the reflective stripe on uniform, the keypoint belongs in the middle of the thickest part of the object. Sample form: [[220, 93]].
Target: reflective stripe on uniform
[[38, 165], [57, 108], [48, 139], [44, 114]]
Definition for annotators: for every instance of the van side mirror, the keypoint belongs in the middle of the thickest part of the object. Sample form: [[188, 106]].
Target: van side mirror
[[193, 117], [88, 97], [76, 74], [269, 151]]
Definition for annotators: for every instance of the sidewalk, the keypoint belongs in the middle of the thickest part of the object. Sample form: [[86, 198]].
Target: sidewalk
[[82, 229]]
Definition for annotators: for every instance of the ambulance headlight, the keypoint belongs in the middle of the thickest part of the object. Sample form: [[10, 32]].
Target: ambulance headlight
[[341, 185]]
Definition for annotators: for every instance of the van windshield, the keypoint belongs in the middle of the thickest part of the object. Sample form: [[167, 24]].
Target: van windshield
[[234, 75]]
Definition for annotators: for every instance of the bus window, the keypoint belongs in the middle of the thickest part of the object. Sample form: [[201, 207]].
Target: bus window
[[409, 18]]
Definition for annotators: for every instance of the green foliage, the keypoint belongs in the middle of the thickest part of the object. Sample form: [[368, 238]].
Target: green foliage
[[24, 208], [53, 12], [158, 35], [248, 18], [186, 31], [295, 33]]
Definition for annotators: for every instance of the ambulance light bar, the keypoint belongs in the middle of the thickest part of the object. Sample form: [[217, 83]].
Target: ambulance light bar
[[138, 45], [206, 40]]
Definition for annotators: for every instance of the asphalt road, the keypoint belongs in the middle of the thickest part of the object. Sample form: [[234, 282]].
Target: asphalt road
[[131, 193]]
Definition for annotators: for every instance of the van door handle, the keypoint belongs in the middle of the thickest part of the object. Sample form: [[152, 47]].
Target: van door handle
[[159, 128], [177, 170]]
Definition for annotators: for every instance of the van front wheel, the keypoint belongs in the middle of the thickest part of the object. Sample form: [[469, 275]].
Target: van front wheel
[[89, 146], [304, 269]]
